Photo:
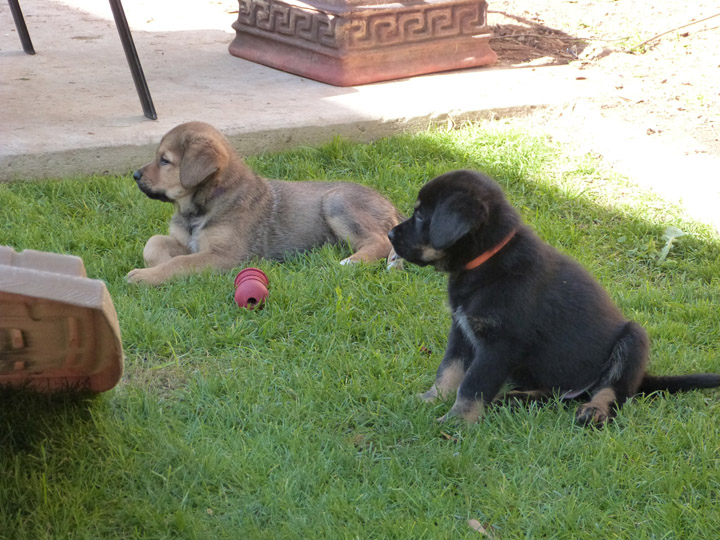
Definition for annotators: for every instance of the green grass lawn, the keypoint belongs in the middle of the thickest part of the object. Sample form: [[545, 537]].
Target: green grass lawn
[[301, 421]]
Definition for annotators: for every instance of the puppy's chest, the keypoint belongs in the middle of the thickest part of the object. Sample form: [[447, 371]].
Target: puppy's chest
[[190, 227], [475, 327]]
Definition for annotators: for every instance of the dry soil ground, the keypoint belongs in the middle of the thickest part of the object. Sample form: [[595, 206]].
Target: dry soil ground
[[661, 57]]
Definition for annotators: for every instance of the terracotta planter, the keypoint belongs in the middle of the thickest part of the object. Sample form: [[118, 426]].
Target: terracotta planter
[[251, 288], [352, 42]]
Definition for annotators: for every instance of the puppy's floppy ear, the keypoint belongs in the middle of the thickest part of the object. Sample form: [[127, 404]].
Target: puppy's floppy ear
[[452, 219], [201, 158]]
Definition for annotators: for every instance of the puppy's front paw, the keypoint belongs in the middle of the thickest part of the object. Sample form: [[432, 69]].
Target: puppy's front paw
[[452, 414], [429, 396], [143, 275], [468, 410]]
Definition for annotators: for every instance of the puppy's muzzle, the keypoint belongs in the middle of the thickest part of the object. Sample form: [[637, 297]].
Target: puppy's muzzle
[[156, 195], [395, 236], [395, 239]]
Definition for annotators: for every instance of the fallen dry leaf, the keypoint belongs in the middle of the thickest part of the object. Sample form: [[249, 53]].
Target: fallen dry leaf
[[475, 525], [448, 436]]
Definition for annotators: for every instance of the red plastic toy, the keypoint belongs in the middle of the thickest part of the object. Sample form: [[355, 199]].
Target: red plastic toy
[[251, 288]]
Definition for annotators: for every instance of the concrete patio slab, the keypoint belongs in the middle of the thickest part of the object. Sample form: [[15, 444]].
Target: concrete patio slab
[[71, 109]]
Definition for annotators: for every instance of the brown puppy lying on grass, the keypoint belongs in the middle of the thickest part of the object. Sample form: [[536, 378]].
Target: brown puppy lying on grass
[[522, 312], [226, 214]]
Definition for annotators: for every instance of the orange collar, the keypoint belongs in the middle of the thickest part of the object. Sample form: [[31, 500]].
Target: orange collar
[[477, 261]]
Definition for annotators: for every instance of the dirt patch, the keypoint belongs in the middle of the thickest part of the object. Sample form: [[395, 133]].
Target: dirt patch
[[659, 57]]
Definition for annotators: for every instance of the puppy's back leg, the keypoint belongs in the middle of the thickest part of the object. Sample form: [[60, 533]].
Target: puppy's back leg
[[363, 219], [370, 249], [622, 377]]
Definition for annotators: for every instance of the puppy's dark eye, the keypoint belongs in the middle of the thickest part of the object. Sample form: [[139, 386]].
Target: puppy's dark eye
[[418, 216], [164, 161]]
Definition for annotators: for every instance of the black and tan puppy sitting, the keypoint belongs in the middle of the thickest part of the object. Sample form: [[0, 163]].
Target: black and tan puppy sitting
[[522, 312]]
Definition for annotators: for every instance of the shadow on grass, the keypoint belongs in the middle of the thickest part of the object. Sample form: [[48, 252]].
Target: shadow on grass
[[29, 419]]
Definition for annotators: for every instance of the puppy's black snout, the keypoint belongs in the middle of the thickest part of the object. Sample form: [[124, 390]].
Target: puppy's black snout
[[137, 176], [391, 234]]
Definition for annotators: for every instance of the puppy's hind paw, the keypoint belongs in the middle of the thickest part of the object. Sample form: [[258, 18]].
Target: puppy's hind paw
[[599, 409], [394, 262], [352, 259], [589, 415]]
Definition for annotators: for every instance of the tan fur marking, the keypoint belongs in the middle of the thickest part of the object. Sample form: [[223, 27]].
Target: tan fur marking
[[431, 254], [449, 380], [470, 411], [445, 383]]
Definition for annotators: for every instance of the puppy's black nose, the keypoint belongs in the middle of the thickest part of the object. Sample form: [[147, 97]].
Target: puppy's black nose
[[391, 234], [137, 176]]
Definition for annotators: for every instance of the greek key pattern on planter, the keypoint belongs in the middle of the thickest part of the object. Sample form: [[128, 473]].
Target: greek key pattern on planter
[[425, 24], [285, 20], [366, 30]]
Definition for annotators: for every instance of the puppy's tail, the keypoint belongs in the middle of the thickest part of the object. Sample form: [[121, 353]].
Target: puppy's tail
[[678, 383]]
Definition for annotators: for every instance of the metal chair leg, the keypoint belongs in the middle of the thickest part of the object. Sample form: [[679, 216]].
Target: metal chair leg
[[21, 27], [132, 59]]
